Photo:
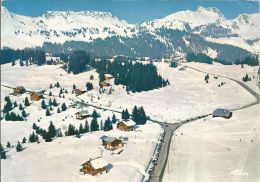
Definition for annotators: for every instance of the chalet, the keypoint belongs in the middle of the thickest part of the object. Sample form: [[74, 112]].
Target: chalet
[[82, 115], [108, 77], [127, 125], [94, 167], [104, 84], [111, 143], [35, 96], [222, 113], [19, 90], [78, 91]]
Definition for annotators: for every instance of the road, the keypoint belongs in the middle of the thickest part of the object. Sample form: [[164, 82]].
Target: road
[[159, 169]]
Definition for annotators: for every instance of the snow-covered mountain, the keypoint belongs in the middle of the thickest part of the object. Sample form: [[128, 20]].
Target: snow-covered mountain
[[196, 30], [54, 26]]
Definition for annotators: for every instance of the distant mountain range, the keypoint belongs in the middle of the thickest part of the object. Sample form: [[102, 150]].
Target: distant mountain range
[[202, 31]]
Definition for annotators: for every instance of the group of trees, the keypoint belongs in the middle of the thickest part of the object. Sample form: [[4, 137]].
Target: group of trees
[[136, 77], [12, 116], [78, 62], [30, 56], [139, 116], [89, 86], [125, 114], [203, 58]]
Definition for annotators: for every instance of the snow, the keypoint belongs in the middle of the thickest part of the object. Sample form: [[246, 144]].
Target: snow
[[98, 163], [129, 123], [231, 71], [217, 149]]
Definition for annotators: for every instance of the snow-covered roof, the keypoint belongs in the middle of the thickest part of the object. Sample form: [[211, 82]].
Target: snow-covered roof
[[221, 112], [108, 75], [99, 163], [83, 112], [107, 138], [129, 123]]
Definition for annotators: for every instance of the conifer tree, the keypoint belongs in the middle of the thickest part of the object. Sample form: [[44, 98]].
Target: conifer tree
[[54, 103], [43, 105], [24, 140], [74, 87], [24, 113], [15, 104], [50, 102], [95, 114], [8, 145], [81, 129], [20, 107], [114, 120], [63, 107], [86, 127], [19, 147], [108, 125], [26, 102], [48, 112], [52, 130], [8, 105], [94, 125], [50, 93], [3, 152], [58, 110], [50, 86]]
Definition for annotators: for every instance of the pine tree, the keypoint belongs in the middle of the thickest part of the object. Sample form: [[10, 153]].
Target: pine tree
[[123, 114], [74, 87], [135, 114], [58, 110], [91, 77], [54, 103], [3, 152], [24, 113], [43, 105], [114, 120], [19, 147], [8, 105], [48, 112], [61, 91], [89, 86], [50, 86], [32, 137], [24, 140], [26, 102], [81, 130], [57, 84], [20, 107], [95, 114], [127, 115], [94, 125], [50, 93], [50, 102], [52, 130], [108, 125], [86, 127], [34, 126], [15, 104], [63, 107], [8, 145], [101, 125]]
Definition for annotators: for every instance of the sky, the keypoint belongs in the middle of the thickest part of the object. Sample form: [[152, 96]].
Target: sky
[[133, 11]]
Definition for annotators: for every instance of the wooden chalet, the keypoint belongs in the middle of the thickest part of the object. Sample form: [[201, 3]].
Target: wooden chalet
[[82, 115], [111, 143], [19, 90], [108, 77], [104, 84], [94, 167], [78, 91], [35, 96], [127, 125]]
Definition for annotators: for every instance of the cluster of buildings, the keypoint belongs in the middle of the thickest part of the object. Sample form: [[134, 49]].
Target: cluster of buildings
[[98, 165], [34, 96]]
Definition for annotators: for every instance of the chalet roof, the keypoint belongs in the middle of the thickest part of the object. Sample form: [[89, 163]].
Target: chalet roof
[[221, 112], [107, 138], [83, 113], [37, 93], [129, 122], [108, 75], [20, 88], [98, 163]]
